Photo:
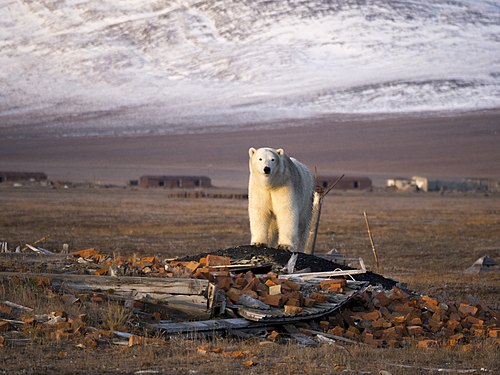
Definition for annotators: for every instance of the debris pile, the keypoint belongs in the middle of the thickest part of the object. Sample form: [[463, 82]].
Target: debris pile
[[397, 318], [236, 291]]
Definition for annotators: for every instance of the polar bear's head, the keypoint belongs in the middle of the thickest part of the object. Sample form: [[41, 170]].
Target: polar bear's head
[[265, 161]]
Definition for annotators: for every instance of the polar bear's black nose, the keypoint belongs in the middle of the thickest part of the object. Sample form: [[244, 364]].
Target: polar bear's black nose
[[267, 170]]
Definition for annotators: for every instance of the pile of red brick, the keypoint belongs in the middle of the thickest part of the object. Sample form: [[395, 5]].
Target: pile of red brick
[[395, 318], [386, 318], [268, 288]]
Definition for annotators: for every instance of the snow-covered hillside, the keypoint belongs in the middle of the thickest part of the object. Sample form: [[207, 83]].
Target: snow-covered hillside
[[76, 67]]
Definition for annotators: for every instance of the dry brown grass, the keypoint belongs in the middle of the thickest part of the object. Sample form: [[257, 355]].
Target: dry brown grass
[[424, 240]]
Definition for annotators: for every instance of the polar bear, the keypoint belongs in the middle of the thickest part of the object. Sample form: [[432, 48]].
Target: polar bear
[[280, 192]]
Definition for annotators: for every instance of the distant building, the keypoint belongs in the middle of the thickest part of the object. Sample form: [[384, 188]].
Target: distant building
[[347, 182], [175, 182], [22, 176], [423, 184], [400, 183]]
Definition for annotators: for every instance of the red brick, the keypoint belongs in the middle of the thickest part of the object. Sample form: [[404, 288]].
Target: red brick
[[427, 344], [309, 302], [250, 293], [494, 332], [319, 297], [352, 332], [5, 309], [337, 331], [371, 315], [415, 322], [324, 325], [292, 285], [216, 260], [401, 308], [415, 330], [333, 285], [270, 283], [381, 323], [293, 310], [380, 299], [233, 294], [274, 301], [369, 339], [4, 326], [397, 319], [465, 310], [249, 276], [274, 336], [224, 282], [293, 302], [435, 325], [391, 333], [400, 293], [474, 321]]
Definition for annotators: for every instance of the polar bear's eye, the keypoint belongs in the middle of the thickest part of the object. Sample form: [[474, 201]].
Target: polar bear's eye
[[260, 159], [272, 159]]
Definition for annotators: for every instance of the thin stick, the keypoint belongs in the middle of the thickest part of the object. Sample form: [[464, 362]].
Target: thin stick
[[332, 186], [34, 243], [371, 239]]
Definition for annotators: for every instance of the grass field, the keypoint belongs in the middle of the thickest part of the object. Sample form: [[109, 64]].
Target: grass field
[[425, 240]]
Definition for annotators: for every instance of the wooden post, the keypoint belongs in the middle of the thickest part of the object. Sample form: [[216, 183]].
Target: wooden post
[[313, 229], [318, 195]]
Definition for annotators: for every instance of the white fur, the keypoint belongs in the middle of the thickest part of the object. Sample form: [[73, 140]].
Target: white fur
[[280, 202]]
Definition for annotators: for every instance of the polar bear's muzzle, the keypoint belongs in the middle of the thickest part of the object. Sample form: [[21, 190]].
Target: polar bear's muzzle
[[267, 170]]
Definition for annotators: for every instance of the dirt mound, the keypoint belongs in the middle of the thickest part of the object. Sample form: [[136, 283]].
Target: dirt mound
[[279, 258]]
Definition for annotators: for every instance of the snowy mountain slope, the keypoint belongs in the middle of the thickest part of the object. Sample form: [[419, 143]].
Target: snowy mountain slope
[[74, 67]]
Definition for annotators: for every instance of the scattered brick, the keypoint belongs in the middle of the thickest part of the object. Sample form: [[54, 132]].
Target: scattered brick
[[4, 326], [216, 260], [233, 294], [274, 289], [292, 310], [319, 297], [465, 310]]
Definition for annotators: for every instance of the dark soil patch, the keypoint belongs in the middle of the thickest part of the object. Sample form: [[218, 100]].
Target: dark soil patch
[[279, 258]]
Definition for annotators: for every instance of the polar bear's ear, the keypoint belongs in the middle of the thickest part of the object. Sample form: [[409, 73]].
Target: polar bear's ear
[[280, 151], [251, 151]]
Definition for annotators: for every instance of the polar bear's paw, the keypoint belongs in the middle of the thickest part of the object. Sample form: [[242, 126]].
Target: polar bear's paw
[[288, 248], [259, 244]]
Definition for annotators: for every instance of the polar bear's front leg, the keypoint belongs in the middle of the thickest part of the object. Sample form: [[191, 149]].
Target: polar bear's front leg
[[260, 221], [287, 219]]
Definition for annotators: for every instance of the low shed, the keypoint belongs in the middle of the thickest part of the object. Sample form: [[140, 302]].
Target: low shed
[[22, 176], [175, 182], [347, 182]]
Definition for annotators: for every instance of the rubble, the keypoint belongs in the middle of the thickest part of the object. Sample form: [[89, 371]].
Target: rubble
[[231, 292]]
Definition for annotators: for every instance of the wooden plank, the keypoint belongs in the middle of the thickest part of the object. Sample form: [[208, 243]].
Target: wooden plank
[[299, 337], [330, 336], [183, 298], [160, 285], [171, 328], [310, 275]]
